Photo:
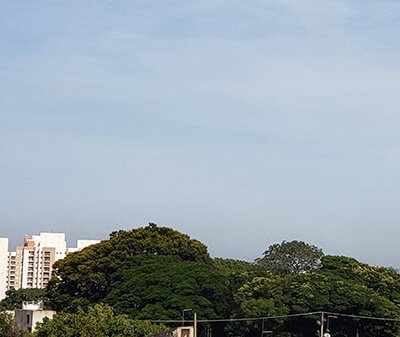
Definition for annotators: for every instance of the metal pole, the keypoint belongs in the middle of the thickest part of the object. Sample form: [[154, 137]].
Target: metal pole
[[183, 315], [322, 324], [262, 328], [195, 325]]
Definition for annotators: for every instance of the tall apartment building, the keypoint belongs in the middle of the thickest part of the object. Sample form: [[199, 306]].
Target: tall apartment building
[[31, 265], [3, 267]]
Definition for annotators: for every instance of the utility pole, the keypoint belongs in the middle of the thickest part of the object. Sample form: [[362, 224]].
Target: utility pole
[[195, 325], [322, 324]]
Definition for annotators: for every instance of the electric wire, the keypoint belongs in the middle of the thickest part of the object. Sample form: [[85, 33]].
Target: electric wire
[[280, 317]]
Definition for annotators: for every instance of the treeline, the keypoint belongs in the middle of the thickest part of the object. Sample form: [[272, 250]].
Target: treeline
[[153, 273]]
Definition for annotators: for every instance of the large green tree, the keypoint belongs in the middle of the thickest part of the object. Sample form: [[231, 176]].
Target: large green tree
[[159, 287], [150, 272], [291, 257]]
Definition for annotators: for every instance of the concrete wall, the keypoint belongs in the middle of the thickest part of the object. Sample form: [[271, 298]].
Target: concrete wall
[[38, 317], [56, 240], [28, 319], [85, 243]]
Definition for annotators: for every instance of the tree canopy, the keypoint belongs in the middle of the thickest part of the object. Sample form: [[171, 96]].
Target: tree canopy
[[159, 287], [156, 272], [292, 257], [15, 298], [341, 285], [150, 272]]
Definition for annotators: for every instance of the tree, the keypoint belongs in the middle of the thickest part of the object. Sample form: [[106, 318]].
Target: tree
[[258, 296], [159, 287], [9, 328], [15, 298], [99, 321], [341, 285], [384, 281], [292, 257], [85, 277], [146, 273], [327, 291], [231, 266]]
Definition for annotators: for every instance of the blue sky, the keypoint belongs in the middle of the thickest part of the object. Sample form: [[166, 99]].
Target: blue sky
[[240, 123]]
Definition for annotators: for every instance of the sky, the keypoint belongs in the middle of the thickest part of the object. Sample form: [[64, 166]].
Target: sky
[[240, 123]]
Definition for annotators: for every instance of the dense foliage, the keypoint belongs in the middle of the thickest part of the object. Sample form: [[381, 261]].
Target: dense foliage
[[150, 272], [156, 272], [158, 287], [15, 298], [99, 321], [341, 285], [88, 274], [292, 257], [8, 327]]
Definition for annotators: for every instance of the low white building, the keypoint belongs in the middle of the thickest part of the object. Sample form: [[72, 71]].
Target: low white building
[[184, 331], [31, 314], [81, 244]]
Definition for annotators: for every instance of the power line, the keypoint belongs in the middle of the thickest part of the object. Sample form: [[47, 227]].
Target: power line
[[258, 318], [238, 319], [364, 317], [280, 317]]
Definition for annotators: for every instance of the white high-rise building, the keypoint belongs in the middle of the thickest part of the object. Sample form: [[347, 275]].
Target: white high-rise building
[[3, 267], [31, 265]]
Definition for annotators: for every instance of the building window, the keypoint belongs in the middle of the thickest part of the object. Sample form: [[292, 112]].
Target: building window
[[28, 319]]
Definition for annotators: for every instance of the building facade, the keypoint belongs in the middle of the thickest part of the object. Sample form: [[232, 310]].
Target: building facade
[[184, 331], [31, 314], [3, 270], [31, 265]]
